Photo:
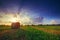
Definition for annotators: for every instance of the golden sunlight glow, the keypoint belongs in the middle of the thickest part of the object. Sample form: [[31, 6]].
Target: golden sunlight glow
[[22, 20], [10, 18], [14, 19]]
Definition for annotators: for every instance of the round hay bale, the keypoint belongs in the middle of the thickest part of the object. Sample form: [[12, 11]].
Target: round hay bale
[[15, 25]]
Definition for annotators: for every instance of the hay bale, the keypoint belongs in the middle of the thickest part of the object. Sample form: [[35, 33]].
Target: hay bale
[[15, 25]]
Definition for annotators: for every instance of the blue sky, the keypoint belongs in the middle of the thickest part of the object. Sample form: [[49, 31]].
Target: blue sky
[[48, 9]]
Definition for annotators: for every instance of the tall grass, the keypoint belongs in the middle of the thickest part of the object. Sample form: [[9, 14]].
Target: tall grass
[[27, 33]]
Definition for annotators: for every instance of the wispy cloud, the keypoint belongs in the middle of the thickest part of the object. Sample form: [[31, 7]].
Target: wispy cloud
[[53, 22]]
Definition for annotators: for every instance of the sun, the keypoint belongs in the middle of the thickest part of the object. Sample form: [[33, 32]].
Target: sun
[[14, 19], [21, 19]]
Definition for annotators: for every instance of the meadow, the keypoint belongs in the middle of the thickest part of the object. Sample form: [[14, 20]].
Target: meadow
[[30, 32]]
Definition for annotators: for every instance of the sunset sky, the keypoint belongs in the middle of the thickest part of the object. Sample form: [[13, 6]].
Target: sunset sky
[[30, 11]]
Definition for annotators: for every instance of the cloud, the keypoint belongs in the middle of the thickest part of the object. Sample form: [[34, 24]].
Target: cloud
[[53, 22], [38, 20], [1, 16]]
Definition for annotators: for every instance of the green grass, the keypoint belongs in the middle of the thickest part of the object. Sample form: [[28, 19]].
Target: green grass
[[3, 27], [27, 33], [49, 27]]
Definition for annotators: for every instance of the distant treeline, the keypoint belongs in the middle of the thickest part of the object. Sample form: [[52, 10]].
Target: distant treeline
[[44, 25], [35, 25], [4, 25]]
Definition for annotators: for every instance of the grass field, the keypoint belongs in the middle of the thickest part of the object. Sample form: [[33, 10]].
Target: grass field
[[30, 33]]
